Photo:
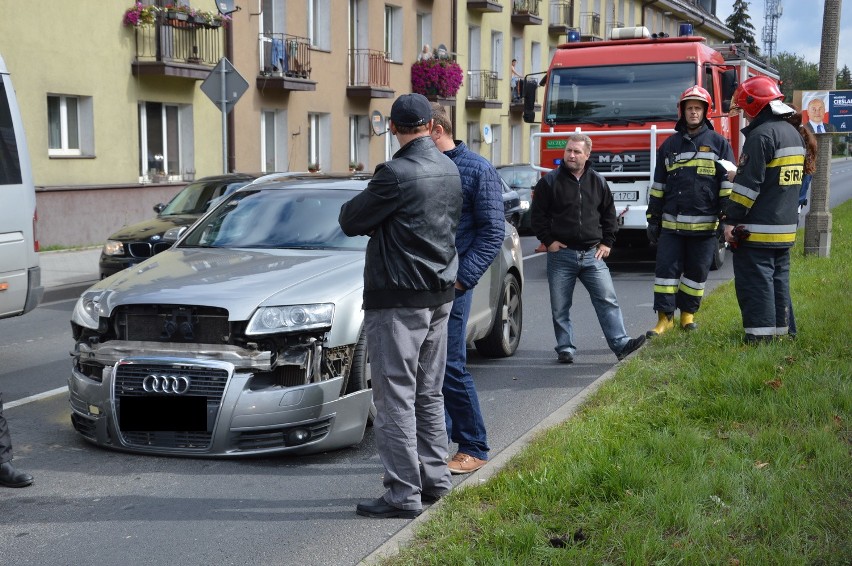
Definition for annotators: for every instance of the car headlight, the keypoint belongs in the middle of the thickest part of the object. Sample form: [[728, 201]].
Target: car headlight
[[87, 310], [525, 205], [291, 318], [112, 247]]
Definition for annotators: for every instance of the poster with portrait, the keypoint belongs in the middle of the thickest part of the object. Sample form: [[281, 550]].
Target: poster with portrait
[[827, 111]]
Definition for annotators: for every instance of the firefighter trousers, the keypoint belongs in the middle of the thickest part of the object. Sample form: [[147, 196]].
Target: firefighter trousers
[[762, 282], [683, 263]]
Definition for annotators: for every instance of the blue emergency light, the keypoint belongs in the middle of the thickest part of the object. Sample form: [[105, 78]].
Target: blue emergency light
[[685, 29]]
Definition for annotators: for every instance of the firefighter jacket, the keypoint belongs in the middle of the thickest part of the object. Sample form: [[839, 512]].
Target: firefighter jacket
[[690, 188], [765, 196]]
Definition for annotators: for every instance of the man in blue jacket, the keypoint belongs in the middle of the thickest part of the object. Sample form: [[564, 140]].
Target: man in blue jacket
[[478, 240]]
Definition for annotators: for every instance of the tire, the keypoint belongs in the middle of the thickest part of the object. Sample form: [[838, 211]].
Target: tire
[[359, 374], [720, 255], [505, 334]]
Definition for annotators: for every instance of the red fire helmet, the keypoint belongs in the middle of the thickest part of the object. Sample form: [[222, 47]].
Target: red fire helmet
[[754, 94]]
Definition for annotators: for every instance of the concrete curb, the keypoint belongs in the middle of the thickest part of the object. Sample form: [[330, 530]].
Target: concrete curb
[[393, 545], [66, 292]]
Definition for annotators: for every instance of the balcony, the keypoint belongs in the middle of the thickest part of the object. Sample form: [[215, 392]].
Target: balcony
[[285, 63], [175, 48], [590, 26], [561, 17], [525, 13], [484, 6], [369, 74], [482, 90]]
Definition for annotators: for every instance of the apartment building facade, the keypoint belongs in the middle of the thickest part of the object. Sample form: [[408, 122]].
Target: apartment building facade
[[117, 121]]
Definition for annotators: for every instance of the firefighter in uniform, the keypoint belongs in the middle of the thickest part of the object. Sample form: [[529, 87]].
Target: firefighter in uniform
[[761, 215], [686, 200]]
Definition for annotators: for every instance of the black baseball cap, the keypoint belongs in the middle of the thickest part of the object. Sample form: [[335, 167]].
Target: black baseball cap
[[410, 110]]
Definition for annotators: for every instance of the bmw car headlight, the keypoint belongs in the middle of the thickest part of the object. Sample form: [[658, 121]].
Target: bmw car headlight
[[87, 310], [290, 318], [113, 247]]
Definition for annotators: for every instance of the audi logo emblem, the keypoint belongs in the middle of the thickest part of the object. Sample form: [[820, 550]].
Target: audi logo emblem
[[171, 384]]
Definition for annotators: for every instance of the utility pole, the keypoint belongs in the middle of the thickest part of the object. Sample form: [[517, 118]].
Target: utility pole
[[818, 220]]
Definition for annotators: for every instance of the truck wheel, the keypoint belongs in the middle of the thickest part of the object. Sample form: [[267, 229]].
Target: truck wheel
[[720, 254], [505, 334]]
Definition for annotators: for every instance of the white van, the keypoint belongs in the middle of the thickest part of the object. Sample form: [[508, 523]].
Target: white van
[[20, 274]]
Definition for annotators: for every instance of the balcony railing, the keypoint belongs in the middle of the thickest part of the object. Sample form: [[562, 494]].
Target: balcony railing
[[561, 17], [482, 89], [590, 25], [525, 12], [369, 73], [283, 55], [177, 48]]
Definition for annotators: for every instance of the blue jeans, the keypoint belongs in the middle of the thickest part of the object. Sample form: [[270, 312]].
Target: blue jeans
[[563, 269], [465, 425]]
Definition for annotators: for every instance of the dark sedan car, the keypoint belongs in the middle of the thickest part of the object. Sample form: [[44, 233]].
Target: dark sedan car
[[522, 178], [137, 242]]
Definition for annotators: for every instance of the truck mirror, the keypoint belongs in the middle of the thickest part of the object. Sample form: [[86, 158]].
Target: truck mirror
[[530, 87], [729, 85]]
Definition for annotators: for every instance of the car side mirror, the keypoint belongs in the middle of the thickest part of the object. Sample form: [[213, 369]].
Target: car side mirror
[[158, 208]]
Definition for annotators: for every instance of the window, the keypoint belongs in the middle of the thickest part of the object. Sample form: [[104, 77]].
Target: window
[[474, 34], [69, 125], [474, 141], [516, 151], [165, 141], [273, 141], [393, 33], [319, 140], [424, 31], [391, 143], [496, 145], [319, 24], [497, 54], [359, 138]]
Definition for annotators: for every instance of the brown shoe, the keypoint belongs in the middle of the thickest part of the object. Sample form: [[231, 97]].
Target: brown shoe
[[465, 464]]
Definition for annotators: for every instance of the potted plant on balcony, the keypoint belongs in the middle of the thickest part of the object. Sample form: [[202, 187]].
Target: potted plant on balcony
[[140, 15], [436, 77]]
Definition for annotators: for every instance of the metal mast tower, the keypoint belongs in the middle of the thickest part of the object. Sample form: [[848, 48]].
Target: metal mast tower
[[772, 10]]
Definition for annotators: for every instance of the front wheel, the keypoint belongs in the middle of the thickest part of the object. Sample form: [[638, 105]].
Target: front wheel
[[359, 373], [505, 334]]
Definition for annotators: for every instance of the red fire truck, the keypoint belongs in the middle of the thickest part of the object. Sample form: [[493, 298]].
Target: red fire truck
[[623, 93]]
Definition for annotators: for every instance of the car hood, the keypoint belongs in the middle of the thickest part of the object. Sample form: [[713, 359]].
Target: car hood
[[236, 280], [155, 226]]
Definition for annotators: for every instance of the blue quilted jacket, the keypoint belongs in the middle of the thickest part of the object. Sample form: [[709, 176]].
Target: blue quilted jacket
[[482, 223]]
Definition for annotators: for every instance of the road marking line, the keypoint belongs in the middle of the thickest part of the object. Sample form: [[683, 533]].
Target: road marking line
[[36, 397]]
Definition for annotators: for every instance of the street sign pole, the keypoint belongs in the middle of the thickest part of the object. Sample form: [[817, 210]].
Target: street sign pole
[[223, 105], [224, 86]]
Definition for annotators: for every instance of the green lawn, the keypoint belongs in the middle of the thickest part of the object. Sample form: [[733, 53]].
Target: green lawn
[[701, 450]]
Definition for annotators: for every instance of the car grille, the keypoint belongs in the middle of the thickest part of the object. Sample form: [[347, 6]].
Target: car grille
[[277, 437], [170, 323], [146, 249], [209, 382]]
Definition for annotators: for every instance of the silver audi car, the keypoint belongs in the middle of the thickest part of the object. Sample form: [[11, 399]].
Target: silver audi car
[[246, 336]]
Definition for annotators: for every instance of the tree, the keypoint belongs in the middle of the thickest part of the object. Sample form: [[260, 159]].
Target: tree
[[844, 79], [739, 22], [795, 73]]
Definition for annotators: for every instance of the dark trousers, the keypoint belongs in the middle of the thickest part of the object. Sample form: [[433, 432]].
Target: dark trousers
[[5, 438], [683, 263], [762, 282]]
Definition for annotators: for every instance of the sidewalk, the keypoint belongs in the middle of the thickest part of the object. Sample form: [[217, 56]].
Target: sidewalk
[[67, 273]]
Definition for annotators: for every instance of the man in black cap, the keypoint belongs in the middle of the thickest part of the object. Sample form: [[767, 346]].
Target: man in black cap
[[410, 210]]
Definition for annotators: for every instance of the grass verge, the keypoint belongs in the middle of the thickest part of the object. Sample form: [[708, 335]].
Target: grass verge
[[701, 450]]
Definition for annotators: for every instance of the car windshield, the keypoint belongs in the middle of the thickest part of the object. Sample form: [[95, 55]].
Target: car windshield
[[523, 177], [273, 218], [196, 197], [618, 93]]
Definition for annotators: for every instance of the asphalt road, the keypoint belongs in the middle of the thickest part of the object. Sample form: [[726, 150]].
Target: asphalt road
[[91, 505]]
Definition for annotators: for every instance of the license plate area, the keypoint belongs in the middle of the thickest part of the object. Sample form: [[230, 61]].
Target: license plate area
[[160, 413], [625, 195]]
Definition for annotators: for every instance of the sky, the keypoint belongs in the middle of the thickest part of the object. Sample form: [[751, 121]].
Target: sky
[[799, 29]]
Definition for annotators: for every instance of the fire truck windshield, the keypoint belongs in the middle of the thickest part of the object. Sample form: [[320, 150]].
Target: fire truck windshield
[[617, 93]]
